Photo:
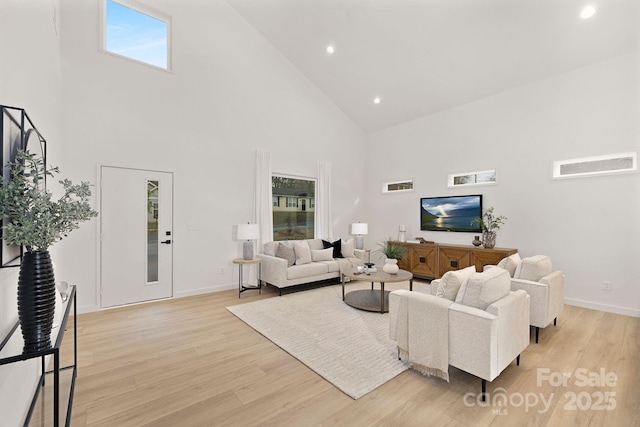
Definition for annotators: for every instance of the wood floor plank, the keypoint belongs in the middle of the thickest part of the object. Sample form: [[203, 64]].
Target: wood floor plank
[[190, 362]]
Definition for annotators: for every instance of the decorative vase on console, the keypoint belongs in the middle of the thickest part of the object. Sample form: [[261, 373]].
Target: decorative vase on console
[[402, 230], [476, 241], [390, 266], [489, 239], [35, 221], [489, 223]]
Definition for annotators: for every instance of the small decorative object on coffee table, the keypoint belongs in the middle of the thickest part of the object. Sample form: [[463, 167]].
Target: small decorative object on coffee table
[[390, 266], [370, 299]]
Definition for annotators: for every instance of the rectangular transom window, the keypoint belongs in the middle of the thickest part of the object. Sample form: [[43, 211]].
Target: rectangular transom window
[[295, 218], [597, 165], [136, 32], [472, 178], [397, 186]]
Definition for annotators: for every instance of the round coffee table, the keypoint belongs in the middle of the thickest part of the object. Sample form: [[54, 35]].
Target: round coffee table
[[370, 299]]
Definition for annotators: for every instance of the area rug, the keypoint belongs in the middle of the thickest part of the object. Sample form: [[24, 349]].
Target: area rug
[[348, 347]]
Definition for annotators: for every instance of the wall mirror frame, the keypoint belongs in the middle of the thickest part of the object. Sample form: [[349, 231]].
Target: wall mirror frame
[[18, 132]]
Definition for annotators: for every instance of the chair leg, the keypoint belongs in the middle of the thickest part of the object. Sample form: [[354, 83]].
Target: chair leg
[[518, 360], [537, 333], [555, 321], [484, 389]]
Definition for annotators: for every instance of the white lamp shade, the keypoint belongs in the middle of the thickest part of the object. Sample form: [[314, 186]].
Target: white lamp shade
[[359, 228], [248, 231]]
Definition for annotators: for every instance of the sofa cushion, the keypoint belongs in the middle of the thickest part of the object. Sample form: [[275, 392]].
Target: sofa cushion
[[451, 281], [533, 268], [481, 290], [322, 255], [302, 251], [269, 248], [510, 263], [307, 270], [337, 247], [286, 252], [315, 244], [332, 265]]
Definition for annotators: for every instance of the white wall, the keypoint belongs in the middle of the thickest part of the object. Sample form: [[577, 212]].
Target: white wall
[[30, 79], [229, 94], [588, 226]]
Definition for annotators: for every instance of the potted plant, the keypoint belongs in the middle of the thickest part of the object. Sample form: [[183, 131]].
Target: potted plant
[[393, 252], [489, 223], [35, 220]]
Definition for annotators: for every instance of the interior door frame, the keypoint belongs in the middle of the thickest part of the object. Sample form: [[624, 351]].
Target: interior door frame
[[98, 288]]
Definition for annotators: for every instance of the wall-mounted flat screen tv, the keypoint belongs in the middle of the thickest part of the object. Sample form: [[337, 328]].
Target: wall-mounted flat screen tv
[[452, 213]]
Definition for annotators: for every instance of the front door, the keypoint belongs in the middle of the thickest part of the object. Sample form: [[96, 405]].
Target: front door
[[136, 242]]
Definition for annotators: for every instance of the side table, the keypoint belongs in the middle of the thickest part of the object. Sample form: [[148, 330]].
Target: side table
[[242, 262], [41, 401]]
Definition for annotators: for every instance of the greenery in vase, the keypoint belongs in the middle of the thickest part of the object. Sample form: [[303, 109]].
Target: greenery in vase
[[489, 222], [32, 218], [391, 250]]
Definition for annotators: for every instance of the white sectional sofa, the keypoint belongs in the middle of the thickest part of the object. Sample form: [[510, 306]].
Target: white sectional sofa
[[296, 262]]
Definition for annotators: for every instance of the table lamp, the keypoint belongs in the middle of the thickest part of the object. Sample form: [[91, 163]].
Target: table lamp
[[359, 229], [248, 232]]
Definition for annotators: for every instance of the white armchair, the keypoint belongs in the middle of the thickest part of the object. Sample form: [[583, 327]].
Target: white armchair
[[535, 275], [481, 332]]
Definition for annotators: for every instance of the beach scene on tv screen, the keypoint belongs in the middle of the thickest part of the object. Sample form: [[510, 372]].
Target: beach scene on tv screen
[[450, 213]]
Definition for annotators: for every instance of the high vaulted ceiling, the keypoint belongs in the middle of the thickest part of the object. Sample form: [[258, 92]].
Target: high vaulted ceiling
[[424, 56]]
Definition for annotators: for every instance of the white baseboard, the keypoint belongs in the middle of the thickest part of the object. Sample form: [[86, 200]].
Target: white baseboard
[[603, 307], [88, 308], [218, 288], [206, 290]]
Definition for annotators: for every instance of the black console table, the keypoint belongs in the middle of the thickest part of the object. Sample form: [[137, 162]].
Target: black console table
[[14, 340]]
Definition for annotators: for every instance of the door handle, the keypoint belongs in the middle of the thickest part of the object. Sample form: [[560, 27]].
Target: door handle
[[166, 242]]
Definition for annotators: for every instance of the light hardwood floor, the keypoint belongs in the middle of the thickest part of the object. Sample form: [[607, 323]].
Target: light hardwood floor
[[189, 362]]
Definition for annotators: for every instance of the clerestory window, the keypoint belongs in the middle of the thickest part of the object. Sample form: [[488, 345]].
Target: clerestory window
[[134, 31]]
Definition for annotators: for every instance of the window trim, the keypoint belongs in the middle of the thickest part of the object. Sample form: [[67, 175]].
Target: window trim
[[145, 10], [452, 177], [557, 165], [386, 185], [301, 178]]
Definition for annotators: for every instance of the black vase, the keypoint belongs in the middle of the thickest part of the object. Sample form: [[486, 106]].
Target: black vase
[[36, 300]]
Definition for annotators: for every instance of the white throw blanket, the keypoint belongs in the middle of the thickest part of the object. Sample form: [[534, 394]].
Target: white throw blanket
[[347, 265], [422, 333]]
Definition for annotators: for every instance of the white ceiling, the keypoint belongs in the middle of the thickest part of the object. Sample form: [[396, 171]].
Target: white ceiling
[[425, 56]]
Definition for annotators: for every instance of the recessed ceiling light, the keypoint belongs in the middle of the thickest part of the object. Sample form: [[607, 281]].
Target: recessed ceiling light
[[376, 100], [330, 49], [587, 12]]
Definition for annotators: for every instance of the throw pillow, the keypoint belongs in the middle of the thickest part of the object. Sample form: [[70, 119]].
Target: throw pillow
[[348, 248], [322, 255], [337, 248], [533, 268], [286, 252], [303, 253], [510, 263], [315, 244], [451, 282], [483, 289], [270, 248]]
